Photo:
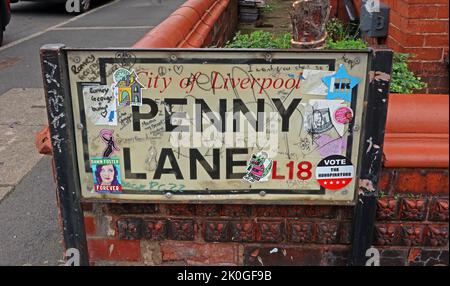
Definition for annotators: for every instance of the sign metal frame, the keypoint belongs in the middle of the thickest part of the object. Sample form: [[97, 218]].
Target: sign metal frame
[[58, 99]]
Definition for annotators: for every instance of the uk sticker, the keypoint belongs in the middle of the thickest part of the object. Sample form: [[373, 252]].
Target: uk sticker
[[107, 177], [340, 84], [334, 172], [258, 168]]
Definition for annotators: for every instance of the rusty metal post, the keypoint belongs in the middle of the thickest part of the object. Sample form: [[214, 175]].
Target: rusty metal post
[[309, 18], [371, 161]]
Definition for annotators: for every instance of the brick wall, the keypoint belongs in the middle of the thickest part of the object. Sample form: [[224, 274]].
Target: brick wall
[[421, 27], [411, 229]]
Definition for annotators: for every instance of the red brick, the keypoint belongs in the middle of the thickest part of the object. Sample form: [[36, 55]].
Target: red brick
[[430, 2], [422, 12], [426, 54], [416, 66], [427, 26], [87, 207], [385, 180], [433, 68], [270, 231], [413, 253], [181, 209], [397, 20], [270, 211], [422, 181], [394, 44], [113, 249], [406, 40], [443, 12], [399, 6], [409, 181], [89, 224], [437, 182], [436, 40], [200, 253]]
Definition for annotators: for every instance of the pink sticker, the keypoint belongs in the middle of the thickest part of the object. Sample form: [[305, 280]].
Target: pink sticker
[[343, 115]]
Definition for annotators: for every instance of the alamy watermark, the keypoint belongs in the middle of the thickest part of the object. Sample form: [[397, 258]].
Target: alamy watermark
[[73, 257], [373, 256], [73, 6]]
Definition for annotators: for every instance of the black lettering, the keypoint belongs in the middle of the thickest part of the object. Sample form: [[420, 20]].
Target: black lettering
[[201, 107], [286, 114], [257, 124], [127, 164], [175, 169], [169, 102], [138, 116], [213, 171], [231, 163]]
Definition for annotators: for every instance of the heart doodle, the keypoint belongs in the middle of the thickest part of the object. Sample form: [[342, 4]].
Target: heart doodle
[[104, 113], [178, 69]]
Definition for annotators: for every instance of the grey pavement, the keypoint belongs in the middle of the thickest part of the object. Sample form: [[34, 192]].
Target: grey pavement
[[29, 229]]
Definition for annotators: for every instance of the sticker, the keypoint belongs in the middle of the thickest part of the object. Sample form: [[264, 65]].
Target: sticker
[[329, 145], [343, 115], [100, 105], [258, 168], [127, 88], [319, 121], [334, 172], [319, 116], [106, 175], [312, 84], [107, 136], [340, 84]]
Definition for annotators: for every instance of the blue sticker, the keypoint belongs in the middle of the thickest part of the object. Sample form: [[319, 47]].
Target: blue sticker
[[111, 116], [340, 84]]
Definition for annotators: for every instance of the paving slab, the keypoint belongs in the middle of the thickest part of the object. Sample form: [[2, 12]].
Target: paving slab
[[23, 106], [4, 191]]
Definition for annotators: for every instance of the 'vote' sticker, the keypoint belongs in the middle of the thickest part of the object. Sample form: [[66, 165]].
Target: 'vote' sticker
[[334, 172]]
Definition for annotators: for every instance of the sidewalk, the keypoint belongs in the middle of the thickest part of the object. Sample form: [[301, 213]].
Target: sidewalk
[[29, 231]]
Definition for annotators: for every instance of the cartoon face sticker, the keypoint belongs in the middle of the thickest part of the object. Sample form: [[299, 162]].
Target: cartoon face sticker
[[259, 168]]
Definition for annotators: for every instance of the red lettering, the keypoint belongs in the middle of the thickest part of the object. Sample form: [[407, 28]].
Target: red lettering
[[274, 172]]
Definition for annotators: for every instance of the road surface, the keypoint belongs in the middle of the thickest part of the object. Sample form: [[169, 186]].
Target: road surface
[[29, 231]]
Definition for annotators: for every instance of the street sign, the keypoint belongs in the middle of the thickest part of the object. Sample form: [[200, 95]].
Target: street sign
[[218, 125]]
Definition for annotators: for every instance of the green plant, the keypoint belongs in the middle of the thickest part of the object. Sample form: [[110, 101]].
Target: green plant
[[260, 39], [403, 80], [347, 43], [336, 29], [340, 37]]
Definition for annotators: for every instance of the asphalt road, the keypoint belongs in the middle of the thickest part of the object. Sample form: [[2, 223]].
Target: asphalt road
[[29, 231]]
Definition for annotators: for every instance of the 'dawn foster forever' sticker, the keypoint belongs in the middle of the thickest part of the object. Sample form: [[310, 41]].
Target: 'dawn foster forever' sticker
[[334, 172], [107, 177]]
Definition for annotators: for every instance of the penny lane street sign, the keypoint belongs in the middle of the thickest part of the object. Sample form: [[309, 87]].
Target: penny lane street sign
[[212, 125]]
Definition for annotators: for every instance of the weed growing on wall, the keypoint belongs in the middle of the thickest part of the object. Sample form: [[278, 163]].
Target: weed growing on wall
[[404, 80], [260, 39]]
